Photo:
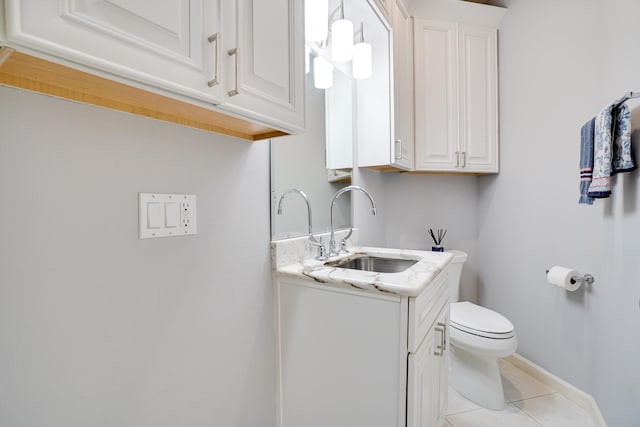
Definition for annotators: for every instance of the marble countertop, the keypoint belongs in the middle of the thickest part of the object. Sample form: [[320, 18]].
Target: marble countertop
[[410, 282]]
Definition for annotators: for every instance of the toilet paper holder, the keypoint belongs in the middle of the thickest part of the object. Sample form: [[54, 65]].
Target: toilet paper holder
[[586, 278]]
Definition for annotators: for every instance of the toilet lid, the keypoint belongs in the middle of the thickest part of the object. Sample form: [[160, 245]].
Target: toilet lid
[[477, 320]]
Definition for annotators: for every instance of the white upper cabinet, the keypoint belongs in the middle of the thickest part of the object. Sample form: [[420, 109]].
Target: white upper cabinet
[[242, 55], [263, 54], [403, 150], [374, 102], [456, 103], [173, 44]]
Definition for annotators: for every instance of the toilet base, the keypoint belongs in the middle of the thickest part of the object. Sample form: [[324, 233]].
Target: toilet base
[[476, 378]]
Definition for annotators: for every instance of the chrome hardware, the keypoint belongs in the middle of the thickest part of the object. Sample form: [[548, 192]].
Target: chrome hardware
[[440, 347], [464, 159], [444, 335], [343, 242], [399, 149], [322, 250], [457, 159], [234, 51], [214, 81], [333, 250], [313, 241]]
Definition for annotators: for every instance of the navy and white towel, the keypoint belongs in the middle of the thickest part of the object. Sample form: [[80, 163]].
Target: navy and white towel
[[611, 143]]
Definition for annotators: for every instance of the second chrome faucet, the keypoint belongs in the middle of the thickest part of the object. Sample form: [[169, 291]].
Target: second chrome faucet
[[333, 249]]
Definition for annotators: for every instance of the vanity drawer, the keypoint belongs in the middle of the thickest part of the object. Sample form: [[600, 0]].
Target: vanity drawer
[[424, 309]]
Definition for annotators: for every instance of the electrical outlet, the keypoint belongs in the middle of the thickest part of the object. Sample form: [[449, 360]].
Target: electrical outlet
[[167, 215], [186, 213]]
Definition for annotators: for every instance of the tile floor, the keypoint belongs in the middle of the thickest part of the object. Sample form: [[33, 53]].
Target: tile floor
[[530, 404]]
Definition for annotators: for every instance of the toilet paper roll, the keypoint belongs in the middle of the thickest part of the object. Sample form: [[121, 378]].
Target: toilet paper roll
[[561, 276]]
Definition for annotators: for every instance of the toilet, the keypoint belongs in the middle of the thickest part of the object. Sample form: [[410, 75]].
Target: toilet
[[479, 337]]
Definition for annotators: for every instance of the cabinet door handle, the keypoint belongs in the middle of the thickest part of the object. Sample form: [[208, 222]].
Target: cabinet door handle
[[214, 38], [444, 335], [399, 149], [234, 51], [464, 159], [439, 351], [457, 159]]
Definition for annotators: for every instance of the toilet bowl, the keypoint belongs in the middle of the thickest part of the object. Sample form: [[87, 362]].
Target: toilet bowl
[[479, 337]]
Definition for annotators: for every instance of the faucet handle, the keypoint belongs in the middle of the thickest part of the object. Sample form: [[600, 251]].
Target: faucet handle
[[343, 242], [322, 250]]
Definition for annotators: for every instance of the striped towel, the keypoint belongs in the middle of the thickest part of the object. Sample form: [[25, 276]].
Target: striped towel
[[586, 161]]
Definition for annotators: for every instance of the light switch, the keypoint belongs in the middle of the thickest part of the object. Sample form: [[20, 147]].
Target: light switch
[[154, 215], [171, 214], [164, 215]]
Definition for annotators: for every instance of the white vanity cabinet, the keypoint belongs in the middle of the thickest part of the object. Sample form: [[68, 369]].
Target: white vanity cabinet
[[456, 106], [179, 48], [349, 357]]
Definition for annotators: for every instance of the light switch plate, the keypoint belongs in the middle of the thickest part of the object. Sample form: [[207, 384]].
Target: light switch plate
[[166, 215]]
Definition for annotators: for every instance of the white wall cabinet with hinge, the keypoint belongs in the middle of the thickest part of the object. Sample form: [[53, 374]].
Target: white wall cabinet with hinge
[[264, 46], [456, 103], [177, 48], [349, 357], [403, 150]]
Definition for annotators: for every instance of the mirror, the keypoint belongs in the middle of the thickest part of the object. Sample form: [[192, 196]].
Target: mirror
[[300, 161], [320, 160]]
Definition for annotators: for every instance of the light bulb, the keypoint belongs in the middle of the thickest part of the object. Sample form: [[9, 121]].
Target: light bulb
[[322, 73], [316, 19], [342, 40], [362, 59]]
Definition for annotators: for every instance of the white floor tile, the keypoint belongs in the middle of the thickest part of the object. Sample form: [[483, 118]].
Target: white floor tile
[[518, 385], [458, 403], [511, 416], [555, 410]]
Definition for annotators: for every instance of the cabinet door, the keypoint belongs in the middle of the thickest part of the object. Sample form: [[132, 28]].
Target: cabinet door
[[403, 87], [428, 376], [263, 51], [441, 389], [421, 393], [163, 44], [478, 100], [436, 91]]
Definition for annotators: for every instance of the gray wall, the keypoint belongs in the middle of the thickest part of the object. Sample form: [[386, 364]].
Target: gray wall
[[560, 63], [408, 205], [98, 328]]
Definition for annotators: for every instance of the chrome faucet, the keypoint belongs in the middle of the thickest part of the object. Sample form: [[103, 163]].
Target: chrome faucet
[[312, 239], [333, 250]]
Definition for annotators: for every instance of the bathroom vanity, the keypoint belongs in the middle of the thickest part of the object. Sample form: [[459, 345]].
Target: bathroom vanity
[[357, 347]]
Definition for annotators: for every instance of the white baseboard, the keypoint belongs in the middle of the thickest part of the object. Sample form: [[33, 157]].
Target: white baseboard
[[574, 394]]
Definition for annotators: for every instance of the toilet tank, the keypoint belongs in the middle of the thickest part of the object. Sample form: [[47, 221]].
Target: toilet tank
[[455, 273]]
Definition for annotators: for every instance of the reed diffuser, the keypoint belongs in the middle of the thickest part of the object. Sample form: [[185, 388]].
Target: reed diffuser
[[438, 237]]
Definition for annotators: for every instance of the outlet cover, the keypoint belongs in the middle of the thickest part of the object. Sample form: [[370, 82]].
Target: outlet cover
[[166, 215]]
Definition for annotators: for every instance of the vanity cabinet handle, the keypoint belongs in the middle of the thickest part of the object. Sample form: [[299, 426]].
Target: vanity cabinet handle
[[214, 38], [398, 149], [464, 159], [444, 336], [234, 51], [457, 159], [440, 347]]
